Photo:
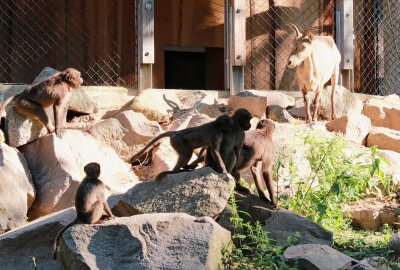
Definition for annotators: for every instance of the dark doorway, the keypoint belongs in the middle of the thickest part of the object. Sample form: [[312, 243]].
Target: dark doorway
[[185, 70]]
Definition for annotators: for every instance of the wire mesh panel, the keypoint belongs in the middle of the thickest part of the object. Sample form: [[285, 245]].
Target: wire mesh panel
[[376, 46], [95, 37], [270, 38]]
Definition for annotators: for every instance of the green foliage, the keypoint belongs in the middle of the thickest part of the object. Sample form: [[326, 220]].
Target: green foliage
[[252, 249], [337, 177]]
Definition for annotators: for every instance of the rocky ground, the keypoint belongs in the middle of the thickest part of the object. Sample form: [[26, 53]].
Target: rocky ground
[[183, 221]]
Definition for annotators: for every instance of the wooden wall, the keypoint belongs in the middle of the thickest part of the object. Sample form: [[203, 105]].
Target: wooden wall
[[96, 37]]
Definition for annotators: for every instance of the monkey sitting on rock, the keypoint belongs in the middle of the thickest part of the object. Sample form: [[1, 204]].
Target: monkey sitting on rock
[[54, 91], [90, 202]]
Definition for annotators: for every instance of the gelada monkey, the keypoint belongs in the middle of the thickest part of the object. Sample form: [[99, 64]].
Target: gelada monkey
[[232, 141], [90, 201], [186, 140], [258, 153], [54, 91]]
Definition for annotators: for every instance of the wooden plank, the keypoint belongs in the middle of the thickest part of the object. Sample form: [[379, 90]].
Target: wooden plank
[[239, 33], [146, 31]]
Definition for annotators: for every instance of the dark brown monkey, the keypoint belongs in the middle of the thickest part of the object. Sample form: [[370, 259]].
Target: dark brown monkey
[[231, 143], [258, 153], [90, 201], [54, 91], [186, 140]]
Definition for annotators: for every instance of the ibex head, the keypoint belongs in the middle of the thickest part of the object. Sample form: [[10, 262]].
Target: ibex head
[[302, 45]]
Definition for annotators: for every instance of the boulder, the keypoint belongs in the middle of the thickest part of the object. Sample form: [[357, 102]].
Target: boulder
[[125, 132], [201, 192], [16, 188], [279, 114], [374, 263], [155, 104], [345, 103], [384, 112], [385, 139], [151, 241], [394, 243], [280, 223], [57, 169], [354, 127], [256, 105], [29, 247], [20, 130], [298, 110], [273, 97], [371, 214], [317, 257]]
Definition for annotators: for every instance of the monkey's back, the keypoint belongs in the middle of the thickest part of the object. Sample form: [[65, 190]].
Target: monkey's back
[[89, 192]]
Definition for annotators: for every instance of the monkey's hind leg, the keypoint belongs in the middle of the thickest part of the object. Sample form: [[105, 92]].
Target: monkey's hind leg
[[34, 111]]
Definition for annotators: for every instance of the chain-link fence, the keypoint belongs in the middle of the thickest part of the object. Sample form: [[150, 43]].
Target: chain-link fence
[[376, 46], [270, 38], [95, 37]]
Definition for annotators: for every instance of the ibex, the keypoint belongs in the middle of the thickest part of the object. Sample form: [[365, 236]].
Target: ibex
[[317, 59]]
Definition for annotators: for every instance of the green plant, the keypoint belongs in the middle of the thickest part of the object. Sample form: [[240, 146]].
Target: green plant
[[252, 249], [336, 178]]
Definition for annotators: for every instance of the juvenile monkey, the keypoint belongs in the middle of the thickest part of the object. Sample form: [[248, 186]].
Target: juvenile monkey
[[90, 201], [54, 91], [186, 140], [258, 153]]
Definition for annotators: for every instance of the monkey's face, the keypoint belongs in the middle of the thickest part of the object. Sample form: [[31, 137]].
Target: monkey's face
[[92, 169], [72, 77], [243, 117], [266, 124]]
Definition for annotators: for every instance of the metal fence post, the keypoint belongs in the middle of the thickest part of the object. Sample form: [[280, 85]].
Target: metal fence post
[[344, 41], [145, 43], [238, 45]]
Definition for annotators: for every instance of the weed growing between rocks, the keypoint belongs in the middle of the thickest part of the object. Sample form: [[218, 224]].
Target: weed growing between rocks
[[252, 249], [361, 244], [336, 177]]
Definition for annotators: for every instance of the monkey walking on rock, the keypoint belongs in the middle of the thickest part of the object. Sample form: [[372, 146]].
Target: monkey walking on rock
[[54, 91], [90, 202]]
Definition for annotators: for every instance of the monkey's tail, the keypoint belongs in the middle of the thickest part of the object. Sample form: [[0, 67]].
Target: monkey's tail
[[5, 103], [165, 134], [57, 239]]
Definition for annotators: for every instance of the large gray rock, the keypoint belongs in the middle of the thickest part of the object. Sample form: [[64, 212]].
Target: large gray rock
[[282, 224], [57, 169], [151, 241], [279, 114], [200, 192], [394, 243], [125, 131], [30, 247], [317, 257], [345, 102], [373, 263], [16, 188]]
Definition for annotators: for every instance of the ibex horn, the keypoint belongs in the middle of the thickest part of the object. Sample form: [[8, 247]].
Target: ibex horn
[[298, 34]]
